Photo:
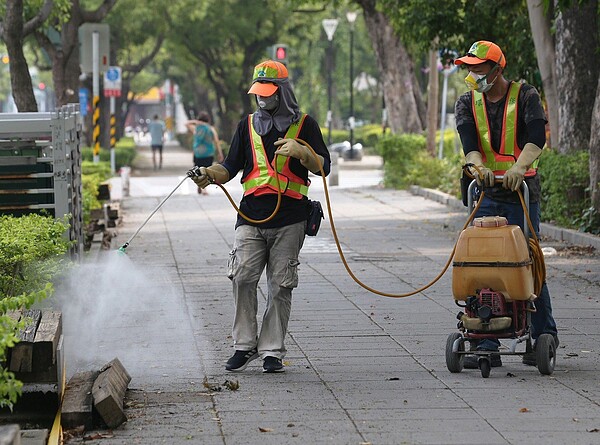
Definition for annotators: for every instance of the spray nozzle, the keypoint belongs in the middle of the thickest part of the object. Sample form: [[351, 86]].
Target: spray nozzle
[[194, 172], [121, 250]]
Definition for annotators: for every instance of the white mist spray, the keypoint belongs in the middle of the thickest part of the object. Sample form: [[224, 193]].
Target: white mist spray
[[113, 308]]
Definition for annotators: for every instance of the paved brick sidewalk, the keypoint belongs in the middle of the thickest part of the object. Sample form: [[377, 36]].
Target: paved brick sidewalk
[[360, 368]]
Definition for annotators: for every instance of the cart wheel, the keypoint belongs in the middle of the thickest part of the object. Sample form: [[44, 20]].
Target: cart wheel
[[545, 354], [454, 360], [485, 366]]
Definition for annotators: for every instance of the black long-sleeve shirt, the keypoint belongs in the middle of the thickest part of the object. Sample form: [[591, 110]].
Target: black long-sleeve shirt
[[531, 122], [260, 207]]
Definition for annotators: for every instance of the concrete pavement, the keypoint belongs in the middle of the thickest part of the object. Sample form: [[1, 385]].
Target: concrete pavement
[[360, 369]]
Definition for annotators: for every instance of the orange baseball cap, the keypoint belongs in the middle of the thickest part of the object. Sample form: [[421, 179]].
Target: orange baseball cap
[[264, 75], [482, 51]]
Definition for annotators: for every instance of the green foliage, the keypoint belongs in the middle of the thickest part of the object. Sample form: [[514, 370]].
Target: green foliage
[[368, 135], [102, 169], [93, 174], [565, 181], [125, 153], [406, 162], [589, 221], [459, 23], [32, 249]]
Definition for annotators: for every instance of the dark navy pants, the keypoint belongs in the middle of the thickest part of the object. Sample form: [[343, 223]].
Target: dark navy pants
[[542, 321]]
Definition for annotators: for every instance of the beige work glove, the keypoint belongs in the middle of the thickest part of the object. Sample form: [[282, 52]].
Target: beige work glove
[[215, 173], [514, 176], [294, 149], [475, 158]]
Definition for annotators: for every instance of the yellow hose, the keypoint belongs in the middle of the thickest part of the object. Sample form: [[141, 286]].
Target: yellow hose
[[539, 269]]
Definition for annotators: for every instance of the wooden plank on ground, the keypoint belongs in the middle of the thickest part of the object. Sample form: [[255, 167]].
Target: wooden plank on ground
[[10, 434], [46, 341], [34, 437], [21, 358], [109, 391], [77, 403]]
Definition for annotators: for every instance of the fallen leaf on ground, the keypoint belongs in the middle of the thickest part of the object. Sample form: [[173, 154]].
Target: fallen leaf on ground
[[211, 386], [265, 430], [232, 386], [524, 410]]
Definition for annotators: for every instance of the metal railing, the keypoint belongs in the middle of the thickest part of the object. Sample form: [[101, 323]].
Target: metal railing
[[40, 167]]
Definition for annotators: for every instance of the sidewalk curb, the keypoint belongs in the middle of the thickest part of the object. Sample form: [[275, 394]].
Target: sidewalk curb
[[554, 232]]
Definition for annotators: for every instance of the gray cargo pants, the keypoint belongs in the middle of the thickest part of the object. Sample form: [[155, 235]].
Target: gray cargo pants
[[254, 248]]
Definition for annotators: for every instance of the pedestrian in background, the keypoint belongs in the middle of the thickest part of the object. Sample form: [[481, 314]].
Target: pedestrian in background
[[501, 124], [274, 244], [157, 138], [205, 142]]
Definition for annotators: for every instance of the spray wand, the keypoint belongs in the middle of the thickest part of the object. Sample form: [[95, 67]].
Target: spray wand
[[190, 174]]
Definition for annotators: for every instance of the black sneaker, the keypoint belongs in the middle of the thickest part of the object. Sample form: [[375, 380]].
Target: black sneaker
[[240, 360], [272, 364], [472, 361]]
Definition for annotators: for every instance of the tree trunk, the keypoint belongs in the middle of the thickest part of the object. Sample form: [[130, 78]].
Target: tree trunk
[[577, 69], [401, 92], [543, 41], [20, 80], [595, 152], [432, 101]]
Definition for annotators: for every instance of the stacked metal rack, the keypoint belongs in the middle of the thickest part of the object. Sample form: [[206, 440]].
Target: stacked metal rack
[[40, 167]]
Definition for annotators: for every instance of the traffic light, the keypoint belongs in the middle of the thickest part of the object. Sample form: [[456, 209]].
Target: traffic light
[[280, 53]]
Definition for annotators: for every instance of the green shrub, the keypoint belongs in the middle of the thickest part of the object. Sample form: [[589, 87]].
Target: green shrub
[[368, 135], [32, 249], [399, 153], [125, 152], [92, 175], [406, 162], [565, 181], [102, 169], [25, 245]]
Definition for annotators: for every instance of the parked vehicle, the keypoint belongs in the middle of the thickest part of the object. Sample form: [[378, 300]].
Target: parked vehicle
[[343, 149]]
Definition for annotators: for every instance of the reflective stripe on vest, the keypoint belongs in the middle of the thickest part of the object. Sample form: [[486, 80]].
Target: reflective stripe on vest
[[509, 151], [262, 179]]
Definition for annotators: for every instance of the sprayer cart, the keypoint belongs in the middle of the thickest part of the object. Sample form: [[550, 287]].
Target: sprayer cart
[[493, 284]]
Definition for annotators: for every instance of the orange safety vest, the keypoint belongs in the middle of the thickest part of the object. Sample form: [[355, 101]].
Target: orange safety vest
[[505, 158], [262, 180]]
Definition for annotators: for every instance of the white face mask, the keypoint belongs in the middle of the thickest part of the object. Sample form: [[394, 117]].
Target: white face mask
[[479, 82], [268, 103]]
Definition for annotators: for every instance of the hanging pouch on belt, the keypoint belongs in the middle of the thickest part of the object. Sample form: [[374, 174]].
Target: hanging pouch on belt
[[315, 215]]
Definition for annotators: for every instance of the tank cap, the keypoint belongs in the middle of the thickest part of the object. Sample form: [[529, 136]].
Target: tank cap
[[490, 221]]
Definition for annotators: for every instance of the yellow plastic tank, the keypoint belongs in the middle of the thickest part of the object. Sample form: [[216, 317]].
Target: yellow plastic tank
[[492, 254]]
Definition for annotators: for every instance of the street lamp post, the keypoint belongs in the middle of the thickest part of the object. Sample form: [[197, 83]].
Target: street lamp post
[[329, 25], [351, 16]]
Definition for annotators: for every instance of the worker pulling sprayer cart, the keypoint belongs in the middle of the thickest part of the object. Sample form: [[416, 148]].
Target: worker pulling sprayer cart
[[494, 307], [496, 277], [496, 274]]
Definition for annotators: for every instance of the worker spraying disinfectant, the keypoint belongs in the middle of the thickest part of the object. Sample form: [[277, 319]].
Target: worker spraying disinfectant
[[275, 147]]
